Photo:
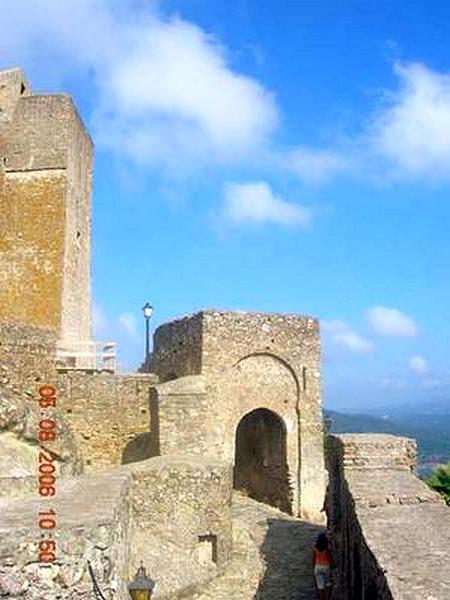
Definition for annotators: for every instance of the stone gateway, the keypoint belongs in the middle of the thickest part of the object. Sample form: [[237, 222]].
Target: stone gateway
[[245, 387]]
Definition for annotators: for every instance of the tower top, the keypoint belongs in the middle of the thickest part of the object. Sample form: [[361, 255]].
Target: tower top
[[13, 85]]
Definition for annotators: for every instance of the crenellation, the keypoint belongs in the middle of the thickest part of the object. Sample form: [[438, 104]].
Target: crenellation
[[13, 87]]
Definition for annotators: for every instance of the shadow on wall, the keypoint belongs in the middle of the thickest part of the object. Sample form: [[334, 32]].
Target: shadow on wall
[[261, 469], [287, 551], [146, 445], [138, 449]]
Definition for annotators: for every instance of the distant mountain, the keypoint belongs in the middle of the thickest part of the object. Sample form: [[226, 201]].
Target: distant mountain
[[358, 423], [437, 406], [430, 429]]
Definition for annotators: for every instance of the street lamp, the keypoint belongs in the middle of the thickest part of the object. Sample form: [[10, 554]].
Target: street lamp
[[142, 587], [147, 309]]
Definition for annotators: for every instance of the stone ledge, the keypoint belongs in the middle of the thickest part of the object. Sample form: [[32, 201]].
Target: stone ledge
[[369, 451], [411, 545], [381, 487], [183, 386]]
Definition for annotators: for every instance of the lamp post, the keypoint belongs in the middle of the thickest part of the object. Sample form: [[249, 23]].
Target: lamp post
[[141, 587], [147, 309]]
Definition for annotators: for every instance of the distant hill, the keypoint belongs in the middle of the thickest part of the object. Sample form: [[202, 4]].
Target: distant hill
[[431, 431], [436, 406]]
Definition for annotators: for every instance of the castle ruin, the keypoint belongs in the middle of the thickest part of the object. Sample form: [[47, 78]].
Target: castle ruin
[[210, 469]]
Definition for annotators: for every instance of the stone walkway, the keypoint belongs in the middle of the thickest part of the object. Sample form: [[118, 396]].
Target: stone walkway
[[272, 557]]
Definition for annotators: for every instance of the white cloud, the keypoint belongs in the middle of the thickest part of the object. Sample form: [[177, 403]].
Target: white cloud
[[418, 364], [163, 93], [408, 135], [412, 129], [166, 93], [255, 202], [391, 322], [314, 166], [128, 322], [342, 334]]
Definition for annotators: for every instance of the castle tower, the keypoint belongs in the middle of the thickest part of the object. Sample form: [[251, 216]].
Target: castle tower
[[45, 211]]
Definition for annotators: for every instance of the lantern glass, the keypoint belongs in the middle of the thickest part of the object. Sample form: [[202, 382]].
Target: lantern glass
[[148, 310], [142, 587], [141, 594]]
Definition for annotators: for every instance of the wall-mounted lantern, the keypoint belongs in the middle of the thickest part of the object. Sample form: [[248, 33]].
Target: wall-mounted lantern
[[142, 587]]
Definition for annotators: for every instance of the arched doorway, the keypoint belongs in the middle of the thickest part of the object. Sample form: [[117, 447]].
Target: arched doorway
[[260, 466]]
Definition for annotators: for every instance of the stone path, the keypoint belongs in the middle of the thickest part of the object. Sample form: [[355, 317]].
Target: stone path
[[272, 557]]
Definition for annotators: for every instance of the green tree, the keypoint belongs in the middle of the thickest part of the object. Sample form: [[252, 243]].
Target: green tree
[[439, 480]]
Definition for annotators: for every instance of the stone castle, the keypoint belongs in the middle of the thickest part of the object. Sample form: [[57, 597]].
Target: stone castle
[[211, 469]]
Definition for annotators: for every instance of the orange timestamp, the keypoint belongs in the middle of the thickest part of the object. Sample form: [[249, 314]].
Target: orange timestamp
[[47, 474]]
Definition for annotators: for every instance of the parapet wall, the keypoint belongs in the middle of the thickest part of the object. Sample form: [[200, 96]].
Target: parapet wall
[[388, 528], [181, 520], [171, 513], [109, 415], [92, 524], [178, 348]]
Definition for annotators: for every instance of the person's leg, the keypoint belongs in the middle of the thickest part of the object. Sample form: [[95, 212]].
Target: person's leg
[[320, 582], [328, 584]]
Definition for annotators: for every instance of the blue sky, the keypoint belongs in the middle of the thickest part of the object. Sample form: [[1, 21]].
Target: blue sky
[[267, 156]]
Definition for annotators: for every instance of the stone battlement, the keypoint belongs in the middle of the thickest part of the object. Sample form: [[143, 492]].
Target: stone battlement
[[374, 451], [389, 529]]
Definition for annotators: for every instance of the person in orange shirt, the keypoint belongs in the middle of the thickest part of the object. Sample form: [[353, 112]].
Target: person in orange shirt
[[322, 566]]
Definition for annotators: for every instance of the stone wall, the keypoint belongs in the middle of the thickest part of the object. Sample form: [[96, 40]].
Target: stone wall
[[180, 417], [171, 513], [109, 415], [76, 298], [388, 528], [181, 515], [228, 364], [92, 524], [45, 189], [20, 445], [32, 247], [27, 360], [13, 85], [178, 348], [27, 357]]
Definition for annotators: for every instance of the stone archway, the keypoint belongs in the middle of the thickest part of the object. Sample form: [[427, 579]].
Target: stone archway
[[260, 466]]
